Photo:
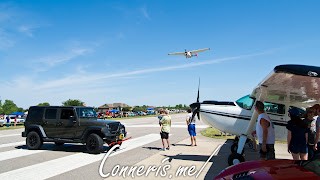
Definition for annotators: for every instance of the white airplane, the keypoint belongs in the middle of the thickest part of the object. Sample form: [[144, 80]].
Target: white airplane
[[285, 87], [189, 54]]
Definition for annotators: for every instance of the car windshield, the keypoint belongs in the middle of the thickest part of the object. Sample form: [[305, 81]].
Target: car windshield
[[313, 165], [86, 113], [245, 102]]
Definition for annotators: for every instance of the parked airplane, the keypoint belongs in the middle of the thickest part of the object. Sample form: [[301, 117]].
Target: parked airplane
[[189, 54], [285, 87]]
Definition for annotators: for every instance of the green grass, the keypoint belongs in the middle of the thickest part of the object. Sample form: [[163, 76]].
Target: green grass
[[215, 133], [11, 127]]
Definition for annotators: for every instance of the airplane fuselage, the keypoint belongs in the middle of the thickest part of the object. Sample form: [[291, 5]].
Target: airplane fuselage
[[234, 119]]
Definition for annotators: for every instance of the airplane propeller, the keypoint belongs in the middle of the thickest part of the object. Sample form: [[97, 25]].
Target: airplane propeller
[[196, 106]]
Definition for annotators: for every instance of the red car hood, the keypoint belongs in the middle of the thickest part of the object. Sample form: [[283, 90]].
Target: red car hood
[[273, 169]]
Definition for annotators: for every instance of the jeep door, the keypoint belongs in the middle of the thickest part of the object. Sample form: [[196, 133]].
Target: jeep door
[[66, 123], [49, 122]]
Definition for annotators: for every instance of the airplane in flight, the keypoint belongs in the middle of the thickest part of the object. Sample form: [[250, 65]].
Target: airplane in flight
[[287, 86], [189, 54]]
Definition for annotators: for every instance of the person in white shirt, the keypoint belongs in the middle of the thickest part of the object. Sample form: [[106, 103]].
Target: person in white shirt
[[316, 146], [265, 133]]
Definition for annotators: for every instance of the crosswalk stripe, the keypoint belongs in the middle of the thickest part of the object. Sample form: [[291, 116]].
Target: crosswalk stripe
[[172, 126], [1, 136], [17, 153], [58, 166], [12, 144]]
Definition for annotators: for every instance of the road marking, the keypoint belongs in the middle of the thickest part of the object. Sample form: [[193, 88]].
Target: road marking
[[10, 135], [17, 153], [172, 126], [58, 166], [12, 144]]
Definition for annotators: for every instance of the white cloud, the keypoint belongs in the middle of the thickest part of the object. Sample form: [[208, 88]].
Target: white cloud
[[5, 40], [145, 13], [54, 60], [26, 30]]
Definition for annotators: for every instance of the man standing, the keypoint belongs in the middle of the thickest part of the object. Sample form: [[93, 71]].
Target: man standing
[[316, 147], [191, 127], [165, 123], [265, 133]]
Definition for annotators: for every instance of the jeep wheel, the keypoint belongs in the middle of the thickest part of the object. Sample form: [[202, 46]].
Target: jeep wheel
[[94, 144], [59, 143], [34, 141]]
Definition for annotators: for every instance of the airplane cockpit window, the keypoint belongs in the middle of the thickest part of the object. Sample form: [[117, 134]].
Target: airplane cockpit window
[[274, 108], [245, 102]]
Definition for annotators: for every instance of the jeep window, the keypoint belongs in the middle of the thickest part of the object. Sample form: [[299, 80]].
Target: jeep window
[[86, 113], [66, 113], [36, 115], [51, 114]]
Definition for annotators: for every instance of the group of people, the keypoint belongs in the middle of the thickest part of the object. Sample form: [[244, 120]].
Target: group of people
[[165, 126], [303, 133]]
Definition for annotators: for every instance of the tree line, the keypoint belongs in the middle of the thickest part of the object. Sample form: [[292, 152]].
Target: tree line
[[9, 106]]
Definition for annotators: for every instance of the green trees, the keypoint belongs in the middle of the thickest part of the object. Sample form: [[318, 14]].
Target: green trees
[[9, 107], [44, 104], [72, 102]]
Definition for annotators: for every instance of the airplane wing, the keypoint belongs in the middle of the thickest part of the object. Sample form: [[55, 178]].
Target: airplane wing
[[200, 50], [178, 53], [297, 84]]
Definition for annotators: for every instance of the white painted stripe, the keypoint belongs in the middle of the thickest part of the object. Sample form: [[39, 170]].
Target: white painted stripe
[[17, 153], [58, 166], [10, 135], [172, 126], [12, 144]]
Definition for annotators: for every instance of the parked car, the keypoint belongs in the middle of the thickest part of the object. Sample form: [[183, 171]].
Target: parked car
[[274, 169], [71, 124]]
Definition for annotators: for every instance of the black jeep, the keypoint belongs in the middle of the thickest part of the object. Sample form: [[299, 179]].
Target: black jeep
[[65, 124]]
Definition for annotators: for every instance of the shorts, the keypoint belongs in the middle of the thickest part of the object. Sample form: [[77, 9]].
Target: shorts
[[296, 149], [192, 129], [164, 135], [269, 155]]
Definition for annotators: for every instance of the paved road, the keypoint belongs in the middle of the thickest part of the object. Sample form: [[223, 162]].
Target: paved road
[[71, 161]]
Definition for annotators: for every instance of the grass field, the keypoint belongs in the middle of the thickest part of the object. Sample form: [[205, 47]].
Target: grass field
[[11, 127], [215, 133]]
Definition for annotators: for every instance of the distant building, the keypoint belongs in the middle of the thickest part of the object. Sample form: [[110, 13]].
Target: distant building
[[108, 107]]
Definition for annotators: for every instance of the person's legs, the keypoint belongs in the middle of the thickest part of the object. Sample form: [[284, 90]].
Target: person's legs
[[168, 144], [303, 156], [295, 156], [191, 137], [195, 140], [163, 143]]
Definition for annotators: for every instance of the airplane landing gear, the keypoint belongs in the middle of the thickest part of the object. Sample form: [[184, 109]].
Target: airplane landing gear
[[235, 158]]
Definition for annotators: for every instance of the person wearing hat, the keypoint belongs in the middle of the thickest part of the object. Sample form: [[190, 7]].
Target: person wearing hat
[[297, 136], [316, 146]]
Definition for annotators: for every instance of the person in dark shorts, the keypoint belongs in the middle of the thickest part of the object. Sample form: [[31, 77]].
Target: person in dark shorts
[[165, 129], [297, 136]]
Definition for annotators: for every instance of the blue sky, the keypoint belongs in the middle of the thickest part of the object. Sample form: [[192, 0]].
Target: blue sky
[[116, 51]]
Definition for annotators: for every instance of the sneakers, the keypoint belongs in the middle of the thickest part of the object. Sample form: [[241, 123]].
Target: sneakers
[[168, 148], [163, 149]]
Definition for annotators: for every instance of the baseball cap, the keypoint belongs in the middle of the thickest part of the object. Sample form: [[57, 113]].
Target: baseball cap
[[294, 112]]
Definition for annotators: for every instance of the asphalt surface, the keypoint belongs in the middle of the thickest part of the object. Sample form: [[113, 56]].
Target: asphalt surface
[[71, 161]]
